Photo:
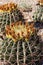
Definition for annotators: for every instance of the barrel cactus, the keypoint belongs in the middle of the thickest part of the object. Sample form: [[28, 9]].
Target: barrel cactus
[[9, 13], [38, 14], [21, 45]]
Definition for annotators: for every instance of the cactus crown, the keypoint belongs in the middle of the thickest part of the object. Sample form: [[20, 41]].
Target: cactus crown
[[8, 7], [19, 30]]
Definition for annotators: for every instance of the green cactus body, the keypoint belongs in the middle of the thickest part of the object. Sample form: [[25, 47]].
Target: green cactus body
[[21, 52], [8, 17], [38, 15]]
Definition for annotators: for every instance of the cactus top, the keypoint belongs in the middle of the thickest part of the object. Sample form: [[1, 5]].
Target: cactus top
[[8, 7], [19, 30]]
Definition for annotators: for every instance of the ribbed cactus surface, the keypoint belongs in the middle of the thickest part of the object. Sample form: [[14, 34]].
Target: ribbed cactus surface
[[20, 53], [38, 14]]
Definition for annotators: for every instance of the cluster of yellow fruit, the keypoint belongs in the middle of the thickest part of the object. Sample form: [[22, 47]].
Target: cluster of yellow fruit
[[19, 30], [8, 7]]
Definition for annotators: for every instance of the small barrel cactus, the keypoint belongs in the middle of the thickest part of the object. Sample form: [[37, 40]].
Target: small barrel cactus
[[9, 13], [38, 14], [21, 45]]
